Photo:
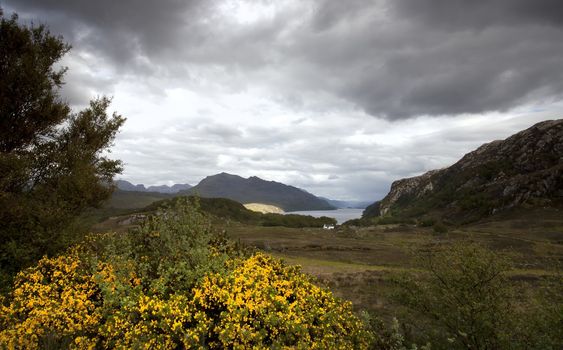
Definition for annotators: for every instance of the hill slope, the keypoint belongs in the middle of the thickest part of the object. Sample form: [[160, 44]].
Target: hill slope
[[525, 170], [256, 190], [228, 209]]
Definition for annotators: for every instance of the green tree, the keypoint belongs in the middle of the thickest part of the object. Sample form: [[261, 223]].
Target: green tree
[[464, 299], [53, 163]]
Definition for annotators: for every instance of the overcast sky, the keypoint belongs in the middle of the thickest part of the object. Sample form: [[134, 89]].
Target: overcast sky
[[337, 97]]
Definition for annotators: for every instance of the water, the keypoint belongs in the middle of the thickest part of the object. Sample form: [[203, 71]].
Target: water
[[341, 215]]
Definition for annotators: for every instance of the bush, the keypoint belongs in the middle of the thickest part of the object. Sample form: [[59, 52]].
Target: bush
[[439, 227], [261, 303], [172, 284], [53, 304], [466, 292], [466, 300], [264, 304], [426, 222]]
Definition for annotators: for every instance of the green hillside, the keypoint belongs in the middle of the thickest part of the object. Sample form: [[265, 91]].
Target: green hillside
[[227, 209]]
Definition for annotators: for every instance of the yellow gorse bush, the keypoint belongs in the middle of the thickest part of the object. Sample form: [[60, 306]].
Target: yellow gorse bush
[[55, 302], [181, 288], [261, 303], [265, 304]]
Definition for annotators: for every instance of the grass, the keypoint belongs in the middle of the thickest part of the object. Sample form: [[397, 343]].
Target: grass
[[360, 264]]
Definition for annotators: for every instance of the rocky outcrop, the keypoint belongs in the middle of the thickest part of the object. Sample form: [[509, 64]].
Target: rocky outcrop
[[526, 169], [412, 187]]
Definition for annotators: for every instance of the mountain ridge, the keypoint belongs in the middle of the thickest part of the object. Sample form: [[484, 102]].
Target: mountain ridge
[[128, 186], [525, 169], [257, 190]]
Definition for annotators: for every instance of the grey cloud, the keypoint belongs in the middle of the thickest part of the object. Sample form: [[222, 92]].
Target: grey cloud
[[478, 14], [402, 67], [392, 59], [120, 28]]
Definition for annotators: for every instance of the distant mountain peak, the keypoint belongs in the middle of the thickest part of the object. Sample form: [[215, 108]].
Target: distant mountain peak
[[257, 190], [128, 186]]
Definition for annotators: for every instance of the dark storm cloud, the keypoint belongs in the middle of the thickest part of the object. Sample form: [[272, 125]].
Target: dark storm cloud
[[407, 58], [123, 30], [393, 59], [479, 14]]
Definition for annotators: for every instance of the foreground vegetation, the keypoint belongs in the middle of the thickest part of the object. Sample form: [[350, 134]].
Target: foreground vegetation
[[172, 283], [494, 284]]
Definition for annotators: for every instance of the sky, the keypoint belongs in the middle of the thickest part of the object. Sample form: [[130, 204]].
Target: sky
[[339, 98]]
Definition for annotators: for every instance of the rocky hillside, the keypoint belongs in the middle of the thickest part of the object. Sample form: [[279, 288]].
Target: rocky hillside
[[525, 170], [256, 190]]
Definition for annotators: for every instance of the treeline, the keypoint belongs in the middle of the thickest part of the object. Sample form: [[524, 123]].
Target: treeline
[[294, 220], [227, 209], [437, 225]]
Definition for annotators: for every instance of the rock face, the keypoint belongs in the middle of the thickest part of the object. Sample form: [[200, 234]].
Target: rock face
[[526, 169], [256, 190], [415, 187]]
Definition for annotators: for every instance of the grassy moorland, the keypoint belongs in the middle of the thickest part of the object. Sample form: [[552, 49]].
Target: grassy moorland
[[365, 265], [357, 262]]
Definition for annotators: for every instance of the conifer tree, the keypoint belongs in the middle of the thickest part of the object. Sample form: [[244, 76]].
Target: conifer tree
[[53, 162]]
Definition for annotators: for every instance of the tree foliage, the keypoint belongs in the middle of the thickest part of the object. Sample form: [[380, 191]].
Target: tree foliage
[[465, 292], [53, 163]]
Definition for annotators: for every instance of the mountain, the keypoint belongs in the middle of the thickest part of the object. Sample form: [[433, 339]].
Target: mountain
[[127, 186], [524, 170], [256, 190], [169, 189]]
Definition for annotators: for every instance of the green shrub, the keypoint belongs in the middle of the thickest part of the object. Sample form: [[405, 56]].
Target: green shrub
[[426, 222], [464, 299], [439, 227]]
